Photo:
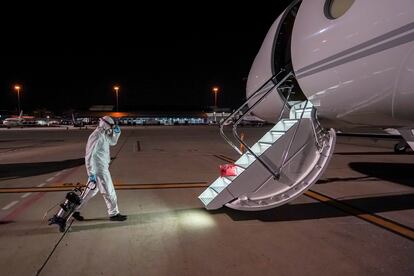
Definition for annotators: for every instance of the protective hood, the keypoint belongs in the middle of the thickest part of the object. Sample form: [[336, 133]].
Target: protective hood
[[106, 122]]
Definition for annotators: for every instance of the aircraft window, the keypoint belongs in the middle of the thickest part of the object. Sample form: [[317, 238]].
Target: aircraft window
[[336, 8]]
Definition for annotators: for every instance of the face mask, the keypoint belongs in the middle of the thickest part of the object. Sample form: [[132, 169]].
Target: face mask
[[111, 129], [109, 132]]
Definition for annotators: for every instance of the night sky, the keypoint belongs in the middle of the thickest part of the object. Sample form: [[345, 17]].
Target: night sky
[[164, 57]]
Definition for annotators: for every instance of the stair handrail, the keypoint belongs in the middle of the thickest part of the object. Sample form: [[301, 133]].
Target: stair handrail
[[257, 92], [236, 135], [318, 144], [286, 151]]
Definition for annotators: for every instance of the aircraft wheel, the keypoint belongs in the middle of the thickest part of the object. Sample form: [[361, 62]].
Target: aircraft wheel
[[401, 147]]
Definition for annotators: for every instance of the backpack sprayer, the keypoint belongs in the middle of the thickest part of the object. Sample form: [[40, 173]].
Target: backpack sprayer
[[72, 200]]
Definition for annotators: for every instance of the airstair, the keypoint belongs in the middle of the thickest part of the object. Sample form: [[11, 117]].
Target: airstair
[[283, 164]]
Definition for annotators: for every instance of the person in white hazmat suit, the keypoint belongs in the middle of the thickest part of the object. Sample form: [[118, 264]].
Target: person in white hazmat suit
[[97, 159]]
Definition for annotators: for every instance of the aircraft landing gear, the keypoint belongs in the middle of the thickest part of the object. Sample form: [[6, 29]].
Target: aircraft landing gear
[[401, 147]]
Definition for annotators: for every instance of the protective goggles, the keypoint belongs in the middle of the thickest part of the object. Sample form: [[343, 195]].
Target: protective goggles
[[108, 123]]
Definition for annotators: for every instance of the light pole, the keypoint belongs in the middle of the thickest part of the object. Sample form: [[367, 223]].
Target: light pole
[[17, 88], [215, 91], [116, 88]]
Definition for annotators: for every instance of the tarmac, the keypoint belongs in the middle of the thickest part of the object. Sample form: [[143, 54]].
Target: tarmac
[[358, 219]]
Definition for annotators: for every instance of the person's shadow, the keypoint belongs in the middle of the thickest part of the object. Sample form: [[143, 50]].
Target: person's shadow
[[18, 170]]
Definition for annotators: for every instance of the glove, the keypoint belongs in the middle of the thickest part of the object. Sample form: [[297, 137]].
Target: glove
[[92, 178], [117, 129]]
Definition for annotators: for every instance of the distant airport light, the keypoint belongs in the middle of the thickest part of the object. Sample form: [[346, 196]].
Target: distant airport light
[[215, 91], [116, 88], [17, 88]]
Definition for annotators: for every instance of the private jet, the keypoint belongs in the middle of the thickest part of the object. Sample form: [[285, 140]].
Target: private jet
[[324, 65], [77, 123], [19, 121]]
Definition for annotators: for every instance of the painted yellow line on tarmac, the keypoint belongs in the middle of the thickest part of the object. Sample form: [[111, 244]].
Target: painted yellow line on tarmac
[[384, 223], [372, 218], [224, 158], [69, 187]]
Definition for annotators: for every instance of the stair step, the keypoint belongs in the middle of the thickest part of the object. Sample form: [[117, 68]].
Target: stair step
[[269, 138], [245, 160], [217, 189], [250, 157], [242, 165], [207, 196], [289, 121], [230, 178], [301, 108], [222, 181], [297, 105], [264, 146], [257, 149], [266, 143], [284, 125], [274, 136]]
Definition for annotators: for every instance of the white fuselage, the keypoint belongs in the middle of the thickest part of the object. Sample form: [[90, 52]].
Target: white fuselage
[[13, 122], [357, 70]]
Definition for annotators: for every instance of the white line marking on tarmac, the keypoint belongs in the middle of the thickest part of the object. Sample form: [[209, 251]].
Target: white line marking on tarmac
[[10, 205], [59, 173], [26, 195], [41, 185], [50, 179]]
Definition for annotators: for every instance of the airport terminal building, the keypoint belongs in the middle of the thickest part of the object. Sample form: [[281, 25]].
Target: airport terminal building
[[127, 118], [153, 117]]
